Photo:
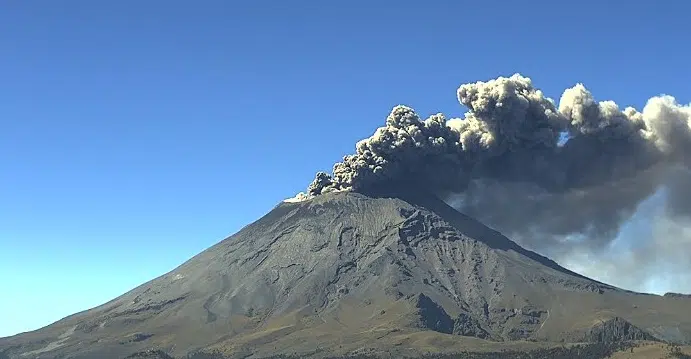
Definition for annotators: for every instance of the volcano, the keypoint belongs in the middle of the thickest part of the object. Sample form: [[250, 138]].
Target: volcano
[[346, 271]]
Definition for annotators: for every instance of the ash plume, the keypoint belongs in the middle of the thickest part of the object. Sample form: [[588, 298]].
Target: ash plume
[[504, 163], [511, 132]]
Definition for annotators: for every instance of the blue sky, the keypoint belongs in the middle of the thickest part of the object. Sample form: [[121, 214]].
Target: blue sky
[[134, 134]]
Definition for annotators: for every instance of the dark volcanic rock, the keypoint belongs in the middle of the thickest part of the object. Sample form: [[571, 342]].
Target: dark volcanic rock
[[136, 337], [150, 354], [345, 264], [432, 315], [616, 330], [468, 326], [678, 295]]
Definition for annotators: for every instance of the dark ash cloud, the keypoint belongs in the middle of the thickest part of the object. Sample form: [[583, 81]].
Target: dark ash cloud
[[504, 164]]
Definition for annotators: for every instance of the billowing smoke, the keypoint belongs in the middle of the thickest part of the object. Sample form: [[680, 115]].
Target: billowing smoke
[[506, 163]]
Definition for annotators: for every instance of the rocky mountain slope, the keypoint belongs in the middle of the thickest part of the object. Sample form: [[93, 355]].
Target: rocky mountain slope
[[346, 271]]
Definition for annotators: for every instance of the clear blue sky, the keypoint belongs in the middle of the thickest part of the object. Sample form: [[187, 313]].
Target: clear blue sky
[[134, 134]]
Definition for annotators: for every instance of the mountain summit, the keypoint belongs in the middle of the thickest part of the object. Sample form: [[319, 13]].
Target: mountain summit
[[344, 271]]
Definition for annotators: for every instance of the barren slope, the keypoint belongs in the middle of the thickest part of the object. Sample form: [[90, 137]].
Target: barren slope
[[333, 271]]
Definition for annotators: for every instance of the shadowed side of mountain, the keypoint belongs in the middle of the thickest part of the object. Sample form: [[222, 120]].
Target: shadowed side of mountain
[[469, 226], [616, 329]]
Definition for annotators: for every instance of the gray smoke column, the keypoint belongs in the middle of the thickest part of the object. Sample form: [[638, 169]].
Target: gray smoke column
[[511, 133], [504, 163]]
